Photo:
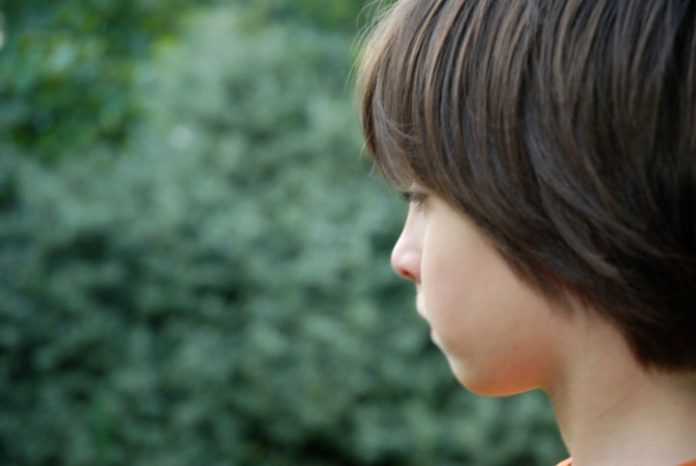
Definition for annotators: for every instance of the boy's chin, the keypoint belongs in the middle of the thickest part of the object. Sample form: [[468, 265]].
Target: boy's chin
[[486, 383]]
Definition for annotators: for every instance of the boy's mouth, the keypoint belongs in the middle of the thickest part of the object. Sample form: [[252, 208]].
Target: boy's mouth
[[420, 305]]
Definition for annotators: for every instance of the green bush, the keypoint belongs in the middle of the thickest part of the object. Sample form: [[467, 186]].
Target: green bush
[[345, 15], [67, 69], [221, 294]]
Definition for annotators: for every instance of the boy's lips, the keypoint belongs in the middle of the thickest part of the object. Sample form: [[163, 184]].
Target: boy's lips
[[420, 305]]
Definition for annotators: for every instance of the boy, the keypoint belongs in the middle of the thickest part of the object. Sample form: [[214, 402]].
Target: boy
[[548, 151]]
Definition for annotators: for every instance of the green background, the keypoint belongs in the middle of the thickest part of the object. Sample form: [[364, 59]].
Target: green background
[[194, 251]]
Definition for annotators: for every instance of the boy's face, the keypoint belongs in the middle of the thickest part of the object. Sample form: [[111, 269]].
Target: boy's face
[[499, 335]]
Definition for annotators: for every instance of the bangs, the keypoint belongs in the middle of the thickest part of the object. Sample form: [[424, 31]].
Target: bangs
[[387, 127], [440, 93]]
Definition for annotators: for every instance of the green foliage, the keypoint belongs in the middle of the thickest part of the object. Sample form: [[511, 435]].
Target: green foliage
[[220, 294], [343, 15], [67, 69]]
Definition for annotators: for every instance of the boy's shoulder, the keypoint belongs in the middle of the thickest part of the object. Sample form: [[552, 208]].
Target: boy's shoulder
[[569, 462]]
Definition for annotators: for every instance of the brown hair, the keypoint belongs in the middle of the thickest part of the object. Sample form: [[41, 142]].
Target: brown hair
[[566, 129]]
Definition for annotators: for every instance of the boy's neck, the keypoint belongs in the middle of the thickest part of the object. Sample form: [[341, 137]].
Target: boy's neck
[[612, 411]]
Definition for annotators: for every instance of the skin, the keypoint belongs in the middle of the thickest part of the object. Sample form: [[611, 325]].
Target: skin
[[501, 337]]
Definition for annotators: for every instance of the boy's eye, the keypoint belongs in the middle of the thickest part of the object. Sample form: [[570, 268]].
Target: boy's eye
[[414, 197]]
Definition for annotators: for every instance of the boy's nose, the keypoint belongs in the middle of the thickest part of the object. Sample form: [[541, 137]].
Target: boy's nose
[[405, 257]]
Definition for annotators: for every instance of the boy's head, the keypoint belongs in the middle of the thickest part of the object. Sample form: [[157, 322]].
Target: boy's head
[[566, 130]]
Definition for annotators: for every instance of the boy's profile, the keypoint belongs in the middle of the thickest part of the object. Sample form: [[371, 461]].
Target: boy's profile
[[548, 151]]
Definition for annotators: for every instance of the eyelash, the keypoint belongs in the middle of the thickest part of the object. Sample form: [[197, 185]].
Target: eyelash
[[416, 198]]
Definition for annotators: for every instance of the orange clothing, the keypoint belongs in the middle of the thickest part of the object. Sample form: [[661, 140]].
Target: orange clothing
[[569, 462]]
